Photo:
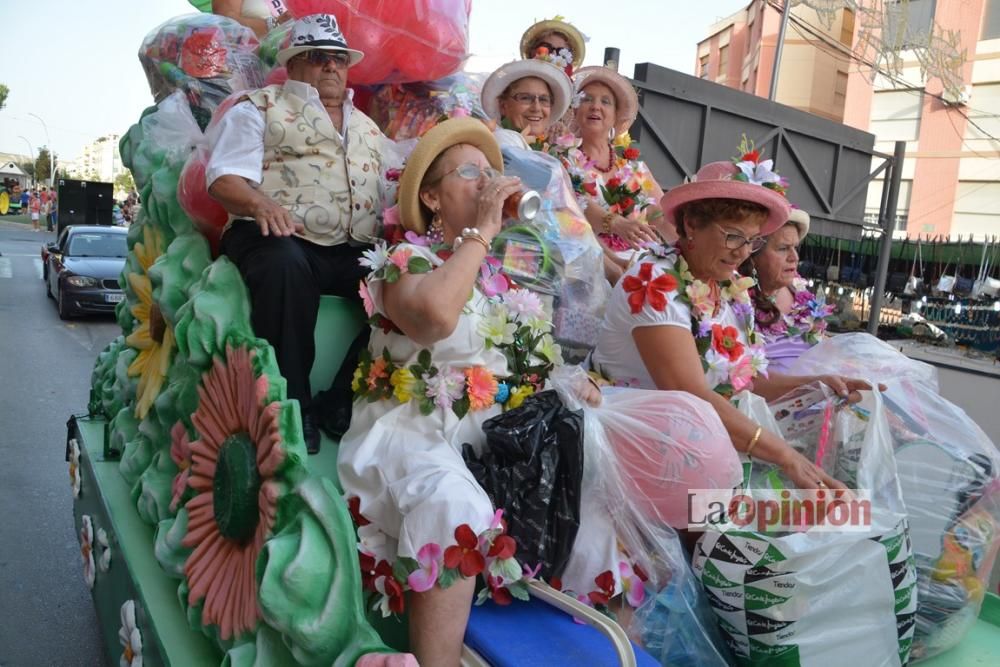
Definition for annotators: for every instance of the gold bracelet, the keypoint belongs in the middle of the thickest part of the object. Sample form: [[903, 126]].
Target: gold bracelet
[[606, 222], [754, 440], [473, 234]]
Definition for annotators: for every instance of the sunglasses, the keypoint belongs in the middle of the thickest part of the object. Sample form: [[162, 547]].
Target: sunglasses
[[736, 241], [321, 58], [529, 99]]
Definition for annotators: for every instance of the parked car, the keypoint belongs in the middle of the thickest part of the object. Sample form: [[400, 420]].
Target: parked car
[[81, 269]]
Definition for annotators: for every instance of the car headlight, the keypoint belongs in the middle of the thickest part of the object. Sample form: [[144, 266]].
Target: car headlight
[[82, 281]]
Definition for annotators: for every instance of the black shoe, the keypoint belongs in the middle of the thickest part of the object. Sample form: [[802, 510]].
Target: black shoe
[[311, 433]]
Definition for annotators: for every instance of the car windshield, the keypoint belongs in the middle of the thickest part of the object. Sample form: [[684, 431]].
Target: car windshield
[[97, 244]]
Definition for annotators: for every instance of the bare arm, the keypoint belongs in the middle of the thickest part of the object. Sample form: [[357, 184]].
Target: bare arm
[[671, 357], [239, 198], [234, 10], [776, 385]]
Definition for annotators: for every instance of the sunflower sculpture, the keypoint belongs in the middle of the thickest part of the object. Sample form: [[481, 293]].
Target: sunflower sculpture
[[240, 466], [153, 338]]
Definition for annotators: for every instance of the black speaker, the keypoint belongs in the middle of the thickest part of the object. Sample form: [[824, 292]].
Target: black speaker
[[84, 203]]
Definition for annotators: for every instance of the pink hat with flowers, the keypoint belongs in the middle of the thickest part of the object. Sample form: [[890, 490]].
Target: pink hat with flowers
[[747, 178]]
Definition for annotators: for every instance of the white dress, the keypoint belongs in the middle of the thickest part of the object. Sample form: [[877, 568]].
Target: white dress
[[617, 358], [405, 468]]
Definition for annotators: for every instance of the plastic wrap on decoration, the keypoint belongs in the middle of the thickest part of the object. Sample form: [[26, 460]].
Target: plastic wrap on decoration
[[949, 472], [407, 111], [555, 254], [207, 57], [404, 40], [672, 619]]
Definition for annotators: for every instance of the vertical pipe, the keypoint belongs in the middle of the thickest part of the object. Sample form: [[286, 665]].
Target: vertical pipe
[[612, 57], [772, 93], [889, 222]]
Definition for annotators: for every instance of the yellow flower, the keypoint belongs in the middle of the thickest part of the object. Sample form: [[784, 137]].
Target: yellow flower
[[403, 383], [518, 395], [153, 338], [623, 140], [356, 380]]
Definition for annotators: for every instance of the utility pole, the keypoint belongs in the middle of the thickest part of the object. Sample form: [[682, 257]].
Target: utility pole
[[773, 92]]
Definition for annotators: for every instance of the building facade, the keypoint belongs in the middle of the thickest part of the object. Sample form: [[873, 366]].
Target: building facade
[[100, 161], [951, 173]]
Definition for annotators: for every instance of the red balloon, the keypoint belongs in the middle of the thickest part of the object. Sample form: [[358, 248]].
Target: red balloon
[[208, 215], [277, 75]]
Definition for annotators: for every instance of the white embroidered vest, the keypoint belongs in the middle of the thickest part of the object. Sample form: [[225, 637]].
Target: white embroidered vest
[[335, 195]]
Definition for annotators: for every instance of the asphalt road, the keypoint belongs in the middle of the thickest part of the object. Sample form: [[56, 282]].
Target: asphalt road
[[45, 367]]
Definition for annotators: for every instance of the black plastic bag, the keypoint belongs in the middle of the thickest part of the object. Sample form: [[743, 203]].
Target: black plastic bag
[[532, 468]]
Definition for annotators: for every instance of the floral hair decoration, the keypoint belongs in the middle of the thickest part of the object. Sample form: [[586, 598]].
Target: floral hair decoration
[[756, 171]]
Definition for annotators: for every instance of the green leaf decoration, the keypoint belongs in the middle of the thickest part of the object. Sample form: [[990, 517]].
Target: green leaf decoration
[[418, 265]]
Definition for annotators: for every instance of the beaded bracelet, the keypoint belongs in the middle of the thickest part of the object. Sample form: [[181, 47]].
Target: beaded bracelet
[[471, 234], [606, 221]]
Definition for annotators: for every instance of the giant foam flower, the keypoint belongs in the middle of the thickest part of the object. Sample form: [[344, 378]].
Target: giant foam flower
[[129, 637], [234, 473], [180, 454], [87, 549], [153, 338]]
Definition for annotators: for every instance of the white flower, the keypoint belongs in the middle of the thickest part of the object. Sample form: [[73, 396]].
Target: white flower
[[375, 258], [87, 549], [372, 541], [523, 303], [74, 467], [104, 560], [758, 360], [549, 349], [128, 635], [446, 387], [577, 100], [496, 329], [758, 173], [718, 368]]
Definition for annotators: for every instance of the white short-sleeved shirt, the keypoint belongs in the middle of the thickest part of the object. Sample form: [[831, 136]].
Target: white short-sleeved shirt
[[616, 355]]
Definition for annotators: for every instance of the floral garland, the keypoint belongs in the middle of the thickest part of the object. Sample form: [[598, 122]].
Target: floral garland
[[729, 364], [561, 58], [556, 145], [626, 190], [806, 319], [489, 554]]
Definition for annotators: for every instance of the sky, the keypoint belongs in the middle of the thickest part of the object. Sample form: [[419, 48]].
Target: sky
[[74, 63]]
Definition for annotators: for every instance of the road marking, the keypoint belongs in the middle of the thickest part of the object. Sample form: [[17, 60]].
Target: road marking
[[5, 268], [38, 267]]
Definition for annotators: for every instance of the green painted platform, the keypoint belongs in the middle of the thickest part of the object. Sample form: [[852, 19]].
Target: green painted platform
[[981, 646]]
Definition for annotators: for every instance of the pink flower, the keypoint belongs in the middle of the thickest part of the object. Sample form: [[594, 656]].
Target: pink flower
[[523, 302], [741, 374], [366, 298], [390, 216], [459, 112], [401, 258], [482, 387], [416, 239], [635, 592], [446, 387], [424, 578]]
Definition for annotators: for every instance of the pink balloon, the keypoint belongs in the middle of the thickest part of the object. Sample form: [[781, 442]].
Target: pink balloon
[[208, 215]]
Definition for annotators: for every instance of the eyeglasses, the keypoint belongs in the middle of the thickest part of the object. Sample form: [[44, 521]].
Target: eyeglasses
[[471, 171], [736, 241], [529, 99], [321, 58], [604, 100]]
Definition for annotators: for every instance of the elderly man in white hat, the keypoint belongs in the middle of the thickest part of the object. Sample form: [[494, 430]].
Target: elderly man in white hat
[[297, 167]]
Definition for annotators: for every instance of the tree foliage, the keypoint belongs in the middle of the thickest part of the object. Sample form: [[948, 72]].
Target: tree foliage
[[42, 165], [124, 182], [4, 92]]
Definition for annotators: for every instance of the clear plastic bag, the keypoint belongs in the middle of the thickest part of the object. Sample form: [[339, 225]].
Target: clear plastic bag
[[556, 253], [207, 57], [642, 451], [862, 355], [407, 111], [403, 40]]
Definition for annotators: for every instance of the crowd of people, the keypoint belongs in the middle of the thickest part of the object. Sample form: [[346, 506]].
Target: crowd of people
[[705, 304]]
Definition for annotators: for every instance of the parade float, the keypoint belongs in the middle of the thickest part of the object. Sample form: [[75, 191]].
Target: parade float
[[207, 535]]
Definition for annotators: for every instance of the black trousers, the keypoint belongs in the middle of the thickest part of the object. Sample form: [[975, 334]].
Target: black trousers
[[285, 277]]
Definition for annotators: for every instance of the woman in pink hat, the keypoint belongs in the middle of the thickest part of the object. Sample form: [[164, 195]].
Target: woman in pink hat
[[616, 189], [682, 318]]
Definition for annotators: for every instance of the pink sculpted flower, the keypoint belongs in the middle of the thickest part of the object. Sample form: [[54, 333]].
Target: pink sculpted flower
[[429, 559], [366, 298]]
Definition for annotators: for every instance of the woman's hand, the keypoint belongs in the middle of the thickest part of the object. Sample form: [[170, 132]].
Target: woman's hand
[[589, 393], [491, 199], [845, 387], [633, 232], [806, 474]]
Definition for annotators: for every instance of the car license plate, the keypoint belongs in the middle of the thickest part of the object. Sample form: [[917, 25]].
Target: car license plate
[[113, 298]]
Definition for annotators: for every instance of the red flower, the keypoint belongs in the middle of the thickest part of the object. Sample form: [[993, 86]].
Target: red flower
[[498, 591], [752, 156], [370, 571], [465, 555], [503, 547], [725, 340], [631, 153], [605, 589], [556, 583], [627, 203], [395, 594], [613, 183], [639, 572], [590, 188], [354, 506], [641, 288]]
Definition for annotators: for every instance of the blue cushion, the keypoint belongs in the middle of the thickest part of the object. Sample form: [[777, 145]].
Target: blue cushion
[[524, 634]]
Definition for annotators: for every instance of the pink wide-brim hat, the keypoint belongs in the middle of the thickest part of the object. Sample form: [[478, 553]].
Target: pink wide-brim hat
[[715, 181]]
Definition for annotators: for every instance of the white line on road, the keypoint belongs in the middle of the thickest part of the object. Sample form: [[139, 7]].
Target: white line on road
[[38, 267], [5, 269]]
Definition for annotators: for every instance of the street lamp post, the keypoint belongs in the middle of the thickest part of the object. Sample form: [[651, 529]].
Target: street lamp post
[[31, 149], [52, 168]]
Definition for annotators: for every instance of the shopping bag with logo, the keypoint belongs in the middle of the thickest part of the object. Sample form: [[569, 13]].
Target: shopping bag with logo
[[791, 590]]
